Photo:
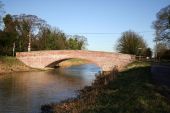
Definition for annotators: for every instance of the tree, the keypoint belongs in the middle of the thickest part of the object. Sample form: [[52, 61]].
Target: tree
[[82, 42], [77, 42], [73, 43], [8, 35], [148, 52], [1, 12], [162, 25], [40, 43], [166, 55], [23, 29], [160, 49], [52, 39], [27, 27], [10, 25], [131, 43]]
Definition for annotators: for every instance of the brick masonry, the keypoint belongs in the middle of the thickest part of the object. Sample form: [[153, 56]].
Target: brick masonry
[[105, 60]]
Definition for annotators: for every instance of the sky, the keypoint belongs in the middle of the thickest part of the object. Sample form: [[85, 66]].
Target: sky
[[100, 21]]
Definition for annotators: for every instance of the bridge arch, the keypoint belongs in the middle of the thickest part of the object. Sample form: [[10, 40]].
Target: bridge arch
[[56, 62]]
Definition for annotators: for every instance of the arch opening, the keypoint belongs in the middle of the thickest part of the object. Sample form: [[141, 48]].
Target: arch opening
[[67, 62], [55, 64]]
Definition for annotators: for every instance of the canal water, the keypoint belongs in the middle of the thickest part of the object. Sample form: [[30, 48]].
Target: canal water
[[25, 92]]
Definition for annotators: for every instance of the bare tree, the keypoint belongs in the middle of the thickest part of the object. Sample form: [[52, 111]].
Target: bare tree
[[1, 13], [131, 43], [27, 27], [162, 25]]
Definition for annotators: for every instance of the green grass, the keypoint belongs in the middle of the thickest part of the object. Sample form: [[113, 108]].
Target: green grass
[[137, 64], [9, 60], [131, 92]]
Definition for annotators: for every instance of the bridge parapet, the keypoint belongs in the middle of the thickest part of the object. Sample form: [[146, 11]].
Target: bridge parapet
[[106, 60]]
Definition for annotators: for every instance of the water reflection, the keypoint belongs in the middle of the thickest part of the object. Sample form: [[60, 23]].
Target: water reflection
[[25, 92]]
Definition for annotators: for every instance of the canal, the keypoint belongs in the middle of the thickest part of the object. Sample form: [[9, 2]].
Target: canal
[[25, 92]]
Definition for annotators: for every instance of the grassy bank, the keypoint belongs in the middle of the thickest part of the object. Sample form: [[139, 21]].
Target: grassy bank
[[11, 64], [131, 92], [72, 62]]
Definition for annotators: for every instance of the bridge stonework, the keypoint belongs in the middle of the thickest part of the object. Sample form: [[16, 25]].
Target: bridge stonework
[[105, 60]]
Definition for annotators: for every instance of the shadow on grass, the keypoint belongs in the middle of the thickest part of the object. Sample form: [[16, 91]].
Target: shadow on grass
[[130, 92]]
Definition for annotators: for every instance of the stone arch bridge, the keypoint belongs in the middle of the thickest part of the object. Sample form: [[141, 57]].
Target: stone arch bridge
[[105, 60]]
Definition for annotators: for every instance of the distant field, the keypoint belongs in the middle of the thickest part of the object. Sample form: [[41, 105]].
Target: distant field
[[71, 62]]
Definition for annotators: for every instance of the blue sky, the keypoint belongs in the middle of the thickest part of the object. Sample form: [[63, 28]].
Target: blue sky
[[94, 16]]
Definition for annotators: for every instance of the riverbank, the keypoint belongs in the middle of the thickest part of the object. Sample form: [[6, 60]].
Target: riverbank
[[11, 64], [132, 91]]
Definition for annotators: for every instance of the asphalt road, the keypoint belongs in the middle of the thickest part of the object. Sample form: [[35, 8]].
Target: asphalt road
[[161, 74]]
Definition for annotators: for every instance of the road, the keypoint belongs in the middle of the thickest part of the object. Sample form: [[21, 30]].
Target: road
[[161, 74]]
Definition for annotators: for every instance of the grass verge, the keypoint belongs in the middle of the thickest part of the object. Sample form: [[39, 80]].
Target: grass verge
[[131, 92]]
